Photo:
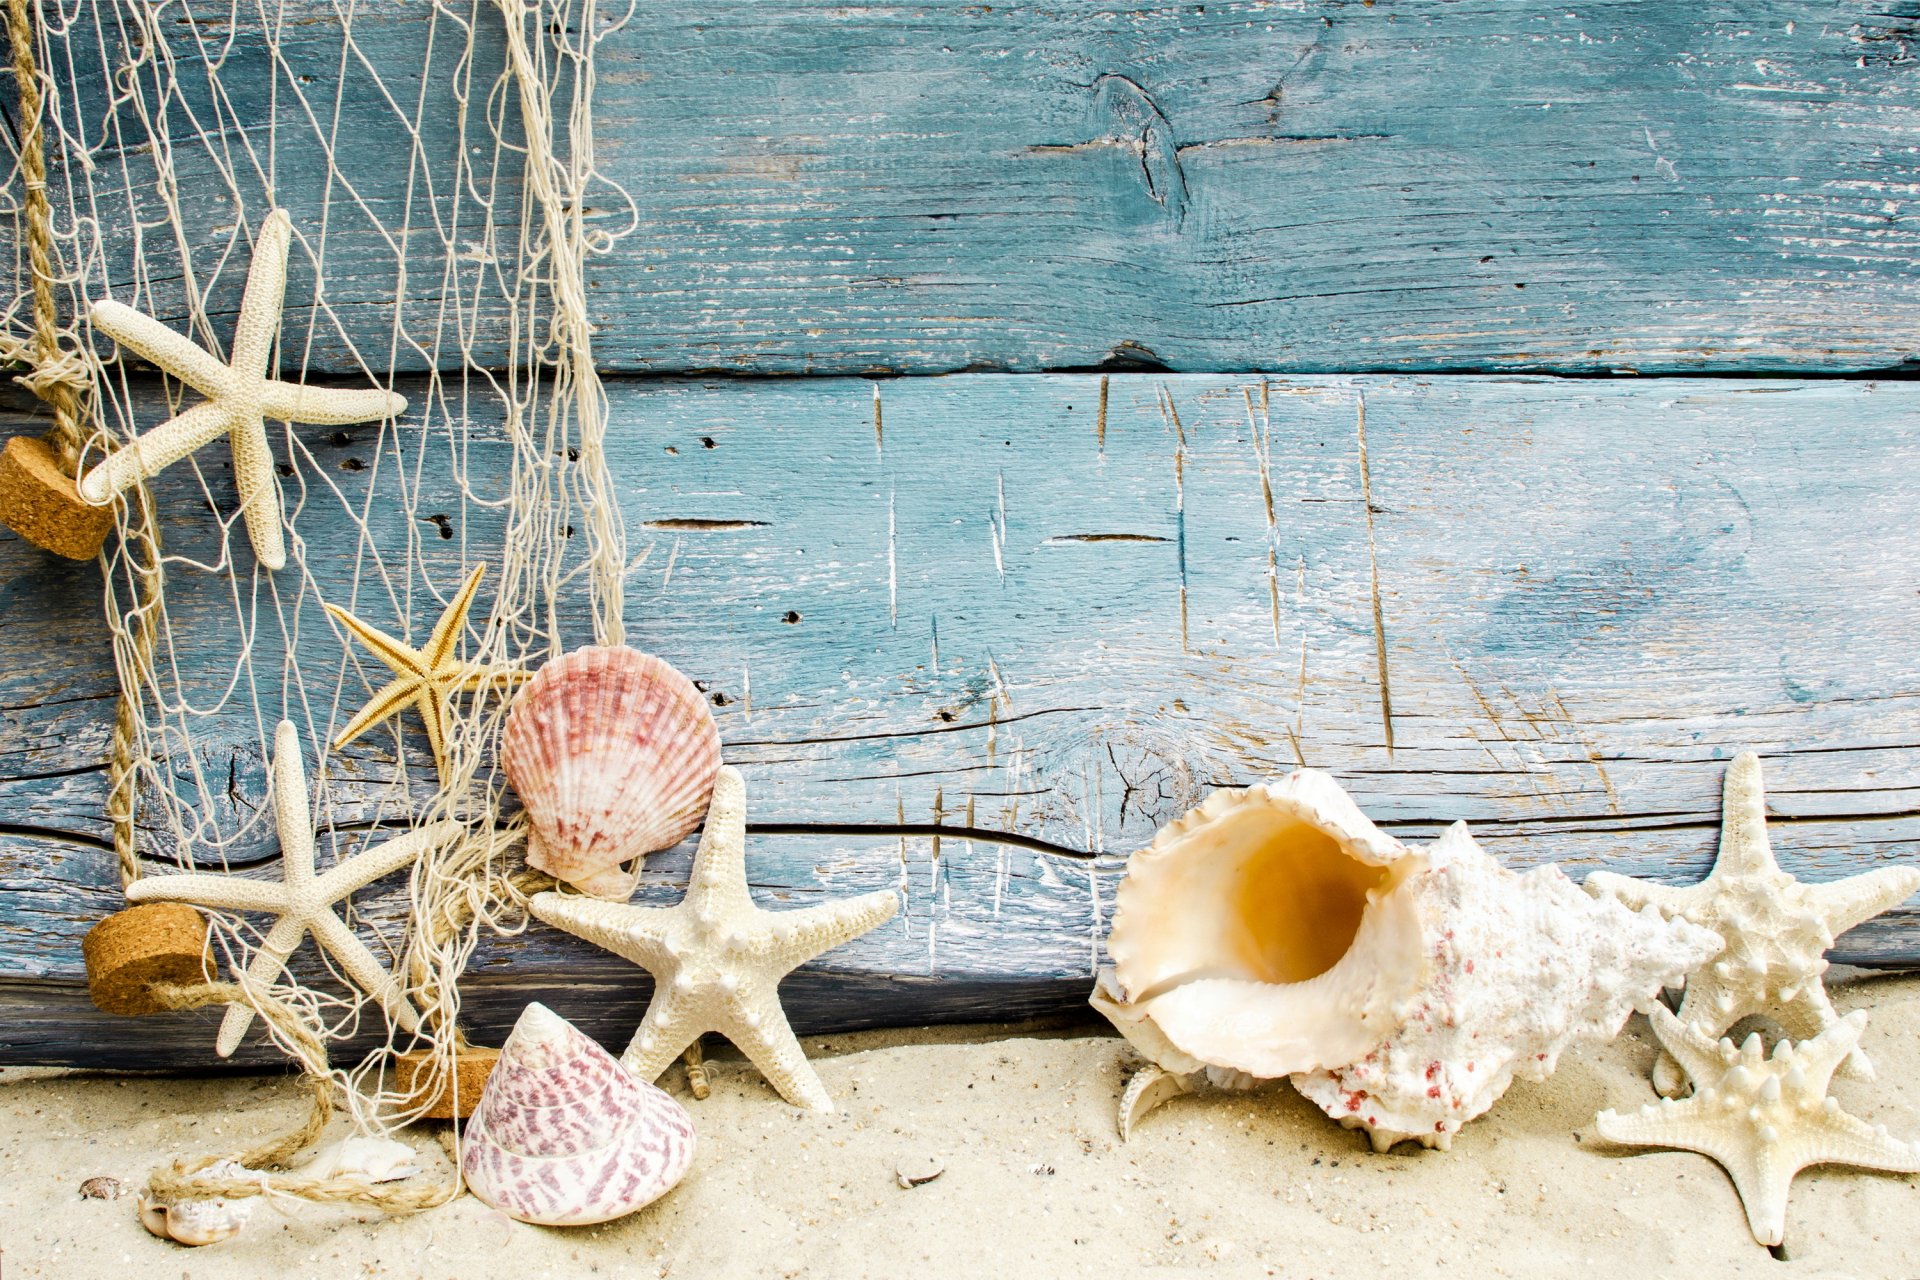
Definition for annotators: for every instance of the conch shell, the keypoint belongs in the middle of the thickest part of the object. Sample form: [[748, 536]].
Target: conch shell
[[613, 753], [1267, 932], [565, 1136], [1276, 931]]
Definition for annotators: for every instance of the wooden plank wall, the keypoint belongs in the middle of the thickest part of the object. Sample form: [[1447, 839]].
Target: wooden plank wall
[[977, 635]]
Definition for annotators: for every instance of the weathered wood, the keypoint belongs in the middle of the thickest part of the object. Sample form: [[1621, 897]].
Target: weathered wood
[[981, 643], [823, 188]]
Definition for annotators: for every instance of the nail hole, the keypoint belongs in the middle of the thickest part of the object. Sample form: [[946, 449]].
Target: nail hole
[[442, 523], [708, 442], [791, 617], [718, 698], [340, 439], [353, 464]]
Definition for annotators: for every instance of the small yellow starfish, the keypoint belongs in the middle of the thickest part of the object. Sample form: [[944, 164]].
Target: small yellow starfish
[[241, 396], [428, 677], [303, 900], [716, 958], [1777, 928]]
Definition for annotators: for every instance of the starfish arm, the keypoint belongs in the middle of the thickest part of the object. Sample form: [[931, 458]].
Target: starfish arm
[[1822, 1052], [1744, 846], [155, 451], [259, 323], [801, 935], [1711, 1004], [1764, 1177], [633, 933], [403, 659], [438, 650], [758, 1027], [663, 1035], [720, 862], [1667, 899], [292, 813], [1807, 1015], [1843, 904], [366, 972], [1838, 1138], [268, 963], [390, 700], [259, 492], [438, 715], [368, 865], [475, 676], [218, 893], [1692, 1125], [1696, 1052], [161, 347], [328, 406]]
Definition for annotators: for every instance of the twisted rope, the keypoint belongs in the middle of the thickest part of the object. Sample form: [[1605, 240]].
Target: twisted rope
[[58, 376], [63, 379], [188, 1180]]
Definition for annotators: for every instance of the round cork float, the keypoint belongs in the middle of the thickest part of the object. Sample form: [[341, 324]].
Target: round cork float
[[131, 950], [414, 1079], [40, 502]]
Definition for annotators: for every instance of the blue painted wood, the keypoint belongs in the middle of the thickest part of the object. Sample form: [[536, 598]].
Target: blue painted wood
[[935, 186], [982, 651]]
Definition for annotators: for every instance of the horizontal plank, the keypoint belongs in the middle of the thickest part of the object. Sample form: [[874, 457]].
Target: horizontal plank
[[978, 637], [801, 187]]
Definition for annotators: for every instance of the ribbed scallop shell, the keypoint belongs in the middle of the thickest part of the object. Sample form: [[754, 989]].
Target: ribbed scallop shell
[[613, 753], [565, 1136]]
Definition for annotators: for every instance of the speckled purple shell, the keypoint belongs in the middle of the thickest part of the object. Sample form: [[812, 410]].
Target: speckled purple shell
[[565, 1136]]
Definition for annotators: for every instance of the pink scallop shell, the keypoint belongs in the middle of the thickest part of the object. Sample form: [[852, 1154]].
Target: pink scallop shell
[[613, 753], [565, 1136]]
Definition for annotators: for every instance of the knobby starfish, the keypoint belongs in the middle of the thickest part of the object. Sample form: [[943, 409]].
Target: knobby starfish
[[1777, 929], [426, 677], [1762, 1119], [242, 395], [716, 958], [303, 901]]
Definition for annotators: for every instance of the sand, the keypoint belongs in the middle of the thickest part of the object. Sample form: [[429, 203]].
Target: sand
[[1035, 1181]]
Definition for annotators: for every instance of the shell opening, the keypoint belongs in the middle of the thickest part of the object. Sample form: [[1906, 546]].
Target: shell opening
[[1299, 900]]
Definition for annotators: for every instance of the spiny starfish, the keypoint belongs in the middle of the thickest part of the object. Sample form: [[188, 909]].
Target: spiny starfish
[[241, 396], [1762, 1119], [303, 901], [1777, 929], [716, 958], [427, 677]]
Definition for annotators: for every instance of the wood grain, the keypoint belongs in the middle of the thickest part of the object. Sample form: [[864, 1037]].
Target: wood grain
[[846, 188], [981, 644]]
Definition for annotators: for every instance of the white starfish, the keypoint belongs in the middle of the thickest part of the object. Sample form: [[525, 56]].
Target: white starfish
[[1762, 1119], [1777, 929], [716, 958], [241, 395], [303, 900]]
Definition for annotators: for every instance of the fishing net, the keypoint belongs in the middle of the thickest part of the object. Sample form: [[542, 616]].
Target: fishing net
[[436, 161]]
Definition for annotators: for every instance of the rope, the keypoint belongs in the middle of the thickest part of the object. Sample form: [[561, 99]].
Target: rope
[[58, 377], [62, 379], [188, 1180], [140, 538]]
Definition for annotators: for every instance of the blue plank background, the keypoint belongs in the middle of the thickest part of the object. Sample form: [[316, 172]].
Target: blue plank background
[[830, 188], [981, 656]]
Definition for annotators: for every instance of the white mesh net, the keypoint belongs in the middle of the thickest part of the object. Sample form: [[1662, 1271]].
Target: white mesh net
[[436, 161]]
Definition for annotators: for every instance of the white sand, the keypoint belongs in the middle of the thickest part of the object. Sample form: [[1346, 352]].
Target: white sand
[[1036, 1182]]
